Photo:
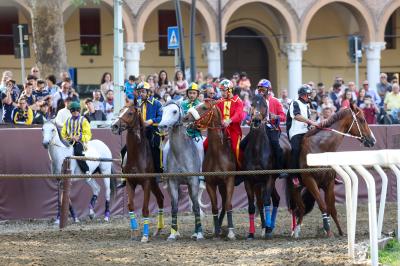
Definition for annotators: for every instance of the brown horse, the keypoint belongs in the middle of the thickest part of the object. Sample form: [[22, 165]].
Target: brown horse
[[138, 159], [219, 158], [348, 122]]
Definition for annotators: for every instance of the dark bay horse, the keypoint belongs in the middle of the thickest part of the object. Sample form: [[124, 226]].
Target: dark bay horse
[[219, 158], [257, 156], [348, 122], [138, 160]]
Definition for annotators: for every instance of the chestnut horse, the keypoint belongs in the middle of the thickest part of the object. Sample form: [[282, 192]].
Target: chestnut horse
[[219, 158], [138, 159], [348, 122]]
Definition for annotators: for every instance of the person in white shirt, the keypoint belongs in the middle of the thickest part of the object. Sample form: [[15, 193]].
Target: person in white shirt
[[63, 114]]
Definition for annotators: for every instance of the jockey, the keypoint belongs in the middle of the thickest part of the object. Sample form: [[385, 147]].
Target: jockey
[[298, 125], [76, 130], [192, 100], [231, 108]]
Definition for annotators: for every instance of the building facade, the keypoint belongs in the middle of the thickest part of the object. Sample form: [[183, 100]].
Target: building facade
[[287, 41]]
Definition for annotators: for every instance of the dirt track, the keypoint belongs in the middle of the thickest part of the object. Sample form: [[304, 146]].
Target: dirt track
[[99, 243]]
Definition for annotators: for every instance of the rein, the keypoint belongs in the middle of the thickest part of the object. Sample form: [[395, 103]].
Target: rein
[[347, 134], [210, 114]]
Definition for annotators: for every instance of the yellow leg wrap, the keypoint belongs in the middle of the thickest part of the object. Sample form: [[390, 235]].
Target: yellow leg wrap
[[160, 222], [173, 232]]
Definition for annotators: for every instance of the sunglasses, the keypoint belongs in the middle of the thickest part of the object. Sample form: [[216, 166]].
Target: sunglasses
[[35, 70]]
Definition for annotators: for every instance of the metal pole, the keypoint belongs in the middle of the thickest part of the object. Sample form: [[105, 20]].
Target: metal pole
[[192, 42], [65, 195], [22, 59], [356, 57], [118, 58], [220, 33], [181, 41]]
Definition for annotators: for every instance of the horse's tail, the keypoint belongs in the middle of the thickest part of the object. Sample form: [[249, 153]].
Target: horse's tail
[[113, 183], [308, 200]]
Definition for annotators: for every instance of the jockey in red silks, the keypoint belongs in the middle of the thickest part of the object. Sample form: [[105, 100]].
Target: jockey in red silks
[[231, 107]]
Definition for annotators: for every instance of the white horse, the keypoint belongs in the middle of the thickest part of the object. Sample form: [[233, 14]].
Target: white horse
[[59, 149]]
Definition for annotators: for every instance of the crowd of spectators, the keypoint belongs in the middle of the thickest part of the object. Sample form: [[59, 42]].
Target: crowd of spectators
[[41, 99]]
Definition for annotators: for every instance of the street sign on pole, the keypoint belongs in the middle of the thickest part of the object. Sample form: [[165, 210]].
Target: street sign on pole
[[173, 38]]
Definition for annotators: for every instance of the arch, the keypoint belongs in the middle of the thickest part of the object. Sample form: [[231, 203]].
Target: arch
[[359, 10], [384, 18], [127, 20], [281, 8], [203, 8]]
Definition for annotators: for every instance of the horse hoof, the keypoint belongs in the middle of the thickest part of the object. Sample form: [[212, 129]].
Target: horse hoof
[[135, 235], [57, 221], [106, 218], [171, 238], [76, 220], [144, 239], [268, 235], [231, 235], [263, 233], [250, 236], [330, 234], [194, 236], [200, 236], [91, 214]]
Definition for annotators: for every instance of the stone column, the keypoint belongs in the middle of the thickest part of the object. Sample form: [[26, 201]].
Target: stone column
[[132, 58], [373, 54], [295, 58], [211, 50]]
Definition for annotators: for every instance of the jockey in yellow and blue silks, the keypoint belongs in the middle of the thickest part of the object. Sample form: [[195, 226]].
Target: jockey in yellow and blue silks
[[76, 130]]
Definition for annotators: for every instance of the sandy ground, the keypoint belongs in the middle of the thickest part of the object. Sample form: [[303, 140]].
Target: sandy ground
[[100, 243]]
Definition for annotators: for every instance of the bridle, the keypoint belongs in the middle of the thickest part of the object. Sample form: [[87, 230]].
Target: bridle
[[208, 115], [127, 124], [361, 137], [179, 122]]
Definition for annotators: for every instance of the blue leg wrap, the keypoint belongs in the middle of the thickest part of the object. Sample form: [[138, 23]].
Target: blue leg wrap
[[273, 218], [134, 224], [146, 223], [267, 211]]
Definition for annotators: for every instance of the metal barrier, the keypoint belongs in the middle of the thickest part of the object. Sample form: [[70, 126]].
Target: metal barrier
[[343, 162]]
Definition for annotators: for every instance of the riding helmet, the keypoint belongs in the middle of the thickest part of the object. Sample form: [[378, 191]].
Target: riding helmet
[[226, 84], [264, 83], [143, 85], [74, 105], [305, 89], [193, 87]]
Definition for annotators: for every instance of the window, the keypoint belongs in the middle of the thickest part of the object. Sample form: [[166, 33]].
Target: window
[[166, 18], [90, 31], [390, 32], [8, 17]]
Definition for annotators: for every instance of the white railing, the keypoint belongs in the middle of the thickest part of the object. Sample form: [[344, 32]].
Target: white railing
[[344, 163]]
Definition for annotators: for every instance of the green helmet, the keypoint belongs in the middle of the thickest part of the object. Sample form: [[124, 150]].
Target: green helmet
[[74, 105]]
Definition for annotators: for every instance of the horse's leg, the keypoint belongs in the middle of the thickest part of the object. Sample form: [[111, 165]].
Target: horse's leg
[[260, 205], [230, 186], [222, 192], [107, 212], [130, 188], [173, 187], [193, 193], [145, 210], [95, 193], [155, 189], [269, 188], [330, 203], [312, 187], [275, 203], [212, 193], [249, 186]]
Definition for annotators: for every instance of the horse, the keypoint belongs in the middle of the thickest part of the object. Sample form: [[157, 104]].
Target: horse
[[180, 148], [257, 156], [138, 159], [349, 122], [59, 149], [219, 157]]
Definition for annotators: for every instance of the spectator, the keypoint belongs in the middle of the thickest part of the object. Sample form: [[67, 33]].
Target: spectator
[[347, 99], [150, 80], [395, 79], [22, 114], [64, 113], [361, 97], [65, 92], [326, 103], [199, 78], [7, 75], [285, 100], [334, 95], [130, 86], [35, 72], [325, 114], [51, 85], [209, 82], [41, 94], [9, 99], [210, 93], [244, 84], [97, 102], [33, 80], [374, 95], [109, 105], [392, 102], [311, 84], [42, 115], [64, 76], [370, 110], [92, 114], [340, 80], [352, 87], [27, 93], [383, 87], [235, 79], [320, 92], [141, 78], [106, 84], [180, 85]]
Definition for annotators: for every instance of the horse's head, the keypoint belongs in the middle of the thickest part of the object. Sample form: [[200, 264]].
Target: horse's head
[[49, 131], [259, 110], [128, 118], [172, 115], [358, 127], [203, 114]]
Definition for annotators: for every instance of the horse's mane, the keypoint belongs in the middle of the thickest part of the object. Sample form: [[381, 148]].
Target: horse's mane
[[329, 122]]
